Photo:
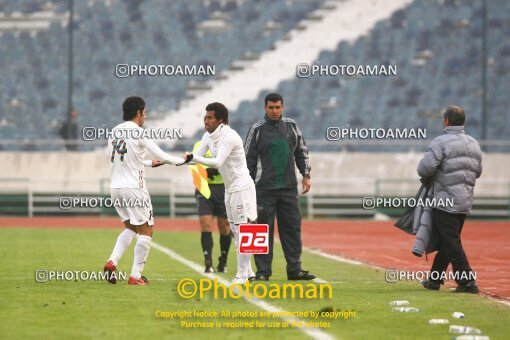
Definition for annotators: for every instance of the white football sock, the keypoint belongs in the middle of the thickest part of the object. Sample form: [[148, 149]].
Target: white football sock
[[243, 260], [142, 247], [251, 273], [123, 242]]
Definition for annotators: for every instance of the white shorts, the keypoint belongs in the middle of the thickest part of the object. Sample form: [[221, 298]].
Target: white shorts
[[137, 215], [241, 205]]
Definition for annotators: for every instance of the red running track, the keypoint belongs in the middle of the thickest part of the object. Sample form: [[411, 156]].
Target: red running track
[[487, 244]]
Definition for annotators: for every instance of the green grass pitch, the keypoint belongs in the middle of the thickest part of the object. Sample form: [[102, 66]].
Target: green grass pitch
[[95, 309]]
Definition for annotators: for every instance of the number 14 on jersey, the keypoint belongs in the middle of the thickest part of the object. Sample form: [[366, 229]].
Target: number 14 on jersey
[[119, 146]]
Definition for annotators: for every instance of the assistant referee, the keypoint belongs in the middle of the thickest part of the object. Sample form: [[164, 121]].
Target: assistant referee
[[208, 208]]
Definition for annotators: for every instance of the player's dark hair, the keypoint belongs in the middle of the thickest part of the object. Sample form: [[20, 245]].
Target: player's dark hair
[[273, 97], [131, 106], [455, 115], [220, 111]]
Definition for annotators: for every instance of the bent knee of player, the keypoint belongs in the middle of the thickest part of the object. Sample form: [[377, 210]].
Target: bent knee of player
[[131, 227], [145, 229]]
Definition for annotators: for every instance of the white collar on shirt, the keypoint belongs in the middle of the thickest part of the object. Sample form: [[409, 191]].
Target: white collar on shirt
[[220, 130]]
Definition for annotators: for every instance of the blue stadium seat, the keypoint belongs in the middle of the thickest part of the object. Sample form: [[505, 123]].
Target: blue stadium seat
[[34, 67]]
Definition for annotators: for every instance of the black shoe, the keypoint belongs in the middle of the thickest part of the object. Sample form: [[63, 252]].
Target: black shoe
[[302, 275], [417, 254], [259, 278], [469, 287], [222, 267], [208, 266], [222, 264], [430, 285]]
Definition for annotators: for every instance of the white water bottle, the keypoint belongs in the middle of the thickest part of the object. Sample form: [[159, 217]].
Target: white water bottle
[[438, 321], [405, 309], [399, 303], [472, 337], [455, 329], [458, 315]]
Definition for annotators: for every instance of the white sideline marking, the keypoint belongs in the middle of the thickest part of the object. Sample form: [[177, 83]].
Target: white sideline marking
[[340, 258], [319, 280], [314, 333], [507, 303]]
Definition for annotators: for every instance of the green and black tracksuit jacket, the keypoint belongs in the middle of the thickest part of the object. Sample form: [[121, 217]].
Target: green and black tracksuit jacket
[[279, 146]]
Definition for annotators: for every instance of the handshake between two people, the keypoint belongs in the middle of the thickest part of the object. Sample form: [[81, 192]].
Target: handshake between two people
[[188, 157]]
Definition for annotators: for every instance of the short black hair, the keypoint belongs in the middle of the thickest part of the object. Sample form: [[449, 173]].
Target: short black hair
[[131, 106], [220, 111], [273, 97], [455, 115]]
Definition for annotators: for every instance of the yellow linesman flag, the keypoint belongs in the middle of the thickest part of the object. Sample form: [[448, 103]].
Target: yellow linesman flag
[[200, 179], [199, 175]]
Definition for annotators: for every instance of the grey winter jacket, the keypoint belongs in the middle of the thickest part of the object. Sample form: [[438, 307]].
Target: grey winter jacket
[[452, 163], [426, 237], [418, 221]]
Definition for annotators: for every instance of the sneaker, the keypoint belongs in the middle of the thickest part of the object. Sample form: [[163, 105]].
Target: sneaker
[[469, 287], [259, 278], [208, 267], [302, 275], [238, 281], [222, 267], [430, 285], [141, 281], [111, 272]]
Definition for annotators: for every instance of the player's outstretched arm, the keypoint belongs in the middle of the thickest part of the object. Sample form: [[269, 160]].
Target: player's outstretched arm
[[200, 151], [154, 163], [160, 154]]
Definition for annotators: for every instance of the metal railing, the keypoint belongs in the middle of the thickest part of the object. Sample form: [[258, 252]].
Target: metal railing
[[175, 197], [344, 144]]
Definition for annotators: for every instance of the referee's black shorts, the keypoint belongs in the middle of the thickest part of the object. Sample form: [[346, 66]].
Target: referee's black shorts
[[215, 205]]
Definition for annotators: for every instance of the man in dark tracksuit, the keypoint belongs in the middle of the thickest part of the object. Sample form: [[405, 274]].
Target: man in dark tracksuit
[[451, 165], [278, 143]]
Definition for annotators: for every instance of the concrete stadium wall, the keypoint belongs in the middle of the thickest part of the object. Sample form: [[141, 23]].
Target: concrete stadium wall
[[343, 173]]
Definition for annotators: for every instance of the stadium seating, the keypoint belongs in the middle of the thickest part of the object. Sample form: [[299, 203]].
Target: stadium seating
[[434, 43], [436, 46], [35, 65]]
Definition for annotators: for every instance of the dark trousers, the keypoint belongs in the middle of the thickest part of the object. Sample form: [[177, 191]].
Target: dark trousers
[[284, 204], [449, 227]]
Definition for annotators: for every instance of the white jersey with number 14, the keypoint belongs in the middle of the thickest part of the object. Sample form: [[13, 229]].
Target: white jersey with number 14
[[127, 157]]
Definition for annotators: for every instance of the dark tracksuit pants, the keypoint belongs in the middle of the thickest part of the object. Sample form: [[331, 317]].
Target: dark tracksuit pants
[[284, 204], [449, 226]]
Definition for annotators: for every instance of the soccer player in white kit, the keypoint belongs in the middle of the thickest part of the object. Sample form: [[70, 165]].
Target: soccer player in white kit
[[228, 157], [127, 155]]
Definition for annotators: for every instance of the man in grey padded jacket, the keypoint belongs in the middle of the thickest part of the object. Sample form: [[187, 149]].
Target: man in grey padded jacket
[[451, 166]]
